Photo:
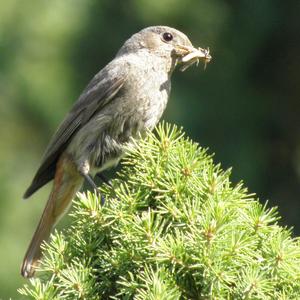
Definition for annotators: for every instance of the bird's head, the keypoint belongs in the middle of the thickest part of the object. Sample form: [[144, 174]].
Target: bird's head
[[168, 43]]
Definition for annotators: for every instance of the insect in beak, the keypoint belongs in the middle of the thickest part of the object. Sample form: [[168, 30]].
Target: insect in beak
[[191, 55]]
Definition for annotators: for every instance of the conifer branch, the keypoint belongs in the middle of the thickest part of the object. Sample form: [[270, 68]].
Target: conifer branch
[[173, 227]]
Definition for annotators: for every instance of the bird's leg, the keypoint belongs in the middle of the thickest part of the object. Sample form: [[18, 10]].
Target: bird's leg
[[104, 179], [90, 180], [84, 171]]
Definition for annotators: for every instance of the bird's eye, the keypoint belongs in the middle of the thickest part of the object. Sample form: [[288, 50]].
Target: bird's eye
[[167, 36]]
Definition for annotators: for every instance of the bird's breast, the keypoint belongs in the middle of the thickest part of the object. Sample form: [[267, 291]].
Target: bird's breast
[[137, 106], [146, 95]]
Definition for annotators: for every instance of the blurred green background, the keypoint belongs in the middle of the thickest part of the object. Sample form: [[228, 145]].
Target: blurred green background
[[245, 107]]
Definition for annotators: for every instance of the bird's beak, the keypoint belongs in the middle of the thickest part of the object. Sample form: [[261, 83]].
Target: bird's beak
[[189, 55]]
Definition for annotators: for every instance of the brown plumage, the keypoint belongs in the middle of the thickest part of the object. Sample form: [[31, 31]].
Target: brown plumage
[[124, 99], [63, 190]]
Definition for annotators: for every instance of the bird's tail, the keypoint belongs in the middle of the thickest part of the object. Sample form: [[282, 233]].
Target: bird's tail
[[67, 182]]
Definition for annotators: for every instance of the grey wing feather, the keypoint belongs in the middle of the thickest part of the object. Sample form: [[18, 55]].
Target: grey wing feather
[[101, 90]]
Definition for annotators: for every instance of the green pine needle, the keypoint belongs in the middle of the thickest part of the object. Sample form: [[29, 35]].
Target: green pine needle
[[173, 227]]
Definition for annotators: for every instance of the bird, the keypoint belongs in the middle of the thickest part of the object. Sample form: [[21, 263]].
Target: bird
[[122, 101]]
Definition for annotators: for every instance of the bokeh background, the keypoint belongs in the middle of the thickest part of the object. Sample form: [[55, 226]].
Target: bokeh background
[[245, 107]]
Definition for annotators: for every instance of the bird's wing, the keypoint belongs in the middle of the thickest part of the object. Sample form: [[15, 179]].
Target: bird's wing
[[100, 91]]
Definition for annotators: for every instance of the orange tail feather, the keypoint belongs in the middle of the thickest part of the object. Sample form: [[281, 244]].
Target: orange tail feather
[[67, 182]]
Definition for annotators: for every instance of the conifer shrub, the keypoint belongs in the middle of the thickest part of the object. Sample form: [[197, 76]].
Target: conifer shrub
[[173, 227]]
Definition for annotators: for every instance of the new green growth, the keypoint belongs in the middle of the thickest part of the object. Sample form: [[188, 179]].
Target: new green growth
[[173, 227]]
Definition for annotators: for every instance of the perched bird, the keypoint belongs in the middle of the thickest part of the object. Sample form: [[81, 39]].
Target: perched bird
[[124, 99]]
